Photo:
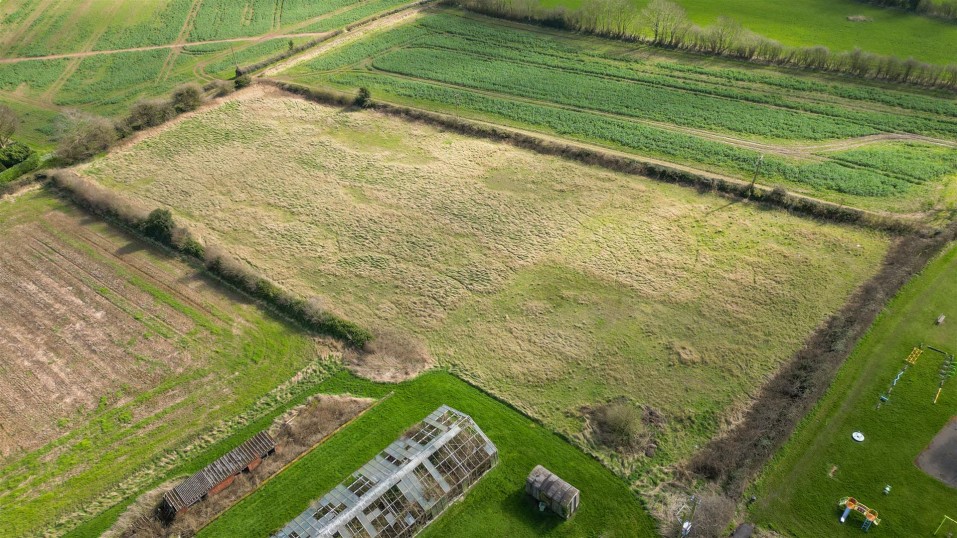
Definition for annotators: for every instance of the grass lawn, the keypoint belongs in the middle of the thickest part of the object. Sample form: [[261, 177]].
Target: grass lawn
[[824, 22], [798, 493], [496, 506], [553, 285]]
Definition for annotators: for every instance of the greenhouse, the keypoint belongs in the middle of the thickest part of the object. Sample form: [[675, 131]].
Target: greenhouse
[[406, 486]]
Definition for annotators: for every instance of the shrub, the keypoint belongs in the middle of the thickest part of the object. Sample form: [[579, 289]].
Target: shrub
[[149, 113], [187, 97], [159, 225], [84, 136], [243, 81], [222, 88], [13, 154], [618, 425], [712, 515], [364, 98]]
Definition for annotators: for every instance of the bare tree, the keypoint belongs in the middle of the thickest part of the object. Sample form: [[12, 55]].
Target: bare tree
[[719, 37], [666, 20], [84, 136], [9, 123]]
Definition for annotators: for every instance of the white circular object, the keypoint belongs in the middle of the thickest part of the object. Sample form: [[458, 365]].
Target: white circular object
[[857, 436]]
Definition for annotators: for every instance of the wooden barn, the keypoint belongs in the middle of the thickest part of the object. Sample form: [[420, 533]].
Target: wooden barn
[[217, 476], [545, 487]]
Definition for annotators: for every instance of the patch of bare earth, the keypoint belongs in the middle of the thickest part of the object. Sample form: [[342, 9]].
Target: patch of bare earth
[[296, 433], [391, 357], [73, 332]]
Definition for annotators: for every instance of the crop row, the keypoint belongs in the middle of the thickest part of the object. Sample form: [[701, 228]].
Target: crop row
[[223, 19], [495, 41], [644, 139], [614, 96], [360, 11]]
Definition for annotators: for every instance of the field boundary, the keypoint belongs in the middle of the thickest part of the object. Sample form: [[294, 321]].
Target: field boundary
[[733, 459], [634, 165], [210, 259]]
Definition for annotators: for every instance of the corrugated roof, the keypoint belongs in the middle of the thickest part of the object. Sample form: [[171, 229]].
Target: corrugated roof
[[193, 488]]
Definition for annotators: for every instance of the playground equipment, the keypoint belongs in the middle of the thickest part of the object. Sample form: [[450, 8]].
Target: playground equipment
[[947, 370], [945, 520], [850, 504], [911, 360]]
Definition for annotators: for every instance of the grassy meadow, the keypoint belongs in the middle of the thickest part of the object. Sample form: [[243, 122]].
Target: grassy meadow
[[175, 365], [798, 494], [553, 285], [822, 137], [808, 23], [495, 506]]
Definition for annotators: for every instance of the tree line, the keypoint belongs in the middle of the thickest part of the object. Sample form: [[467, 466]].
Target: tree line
[[944, 9], [665, 23]]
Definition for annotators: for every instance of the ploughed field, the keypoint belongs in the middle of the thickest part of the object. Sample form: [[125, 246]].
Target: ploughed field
[[553, 285], [119, 364], [858, 144]]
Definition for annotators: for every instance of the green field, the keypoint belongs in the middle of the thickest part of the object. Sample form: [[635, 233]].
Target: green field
[[153, 365], [496, 506], [700, 112], [809, 23], [798, 493], [107, 82], [553, 285]]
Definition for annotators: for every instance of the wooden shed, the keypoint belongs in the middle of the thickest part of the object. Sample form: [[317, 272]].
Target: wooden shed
[[544, 486], [217, 476]]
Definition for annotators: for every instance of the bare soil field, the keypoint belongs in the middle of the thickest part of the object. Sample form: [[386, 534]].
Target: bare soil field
[[73, 332], [553, 285], [117, 360]]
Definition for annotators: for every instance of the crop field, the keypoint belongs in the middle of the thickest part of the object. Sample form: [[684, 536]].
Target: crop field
[[681, 108], [810, 23], [118, 51], [821, 464], [553, 285], [119, 363], [496, 506]]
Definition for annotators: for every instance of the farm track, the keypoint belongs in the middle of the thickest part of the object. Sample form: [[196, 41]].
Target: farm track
[[74, 64], [181, 39], [407, 15], [802, 151], [26, 28]]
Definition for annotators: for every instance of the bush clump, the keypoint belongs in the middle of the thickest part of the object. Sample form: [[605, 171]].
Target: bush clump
[[83, 136], [187, 98], [159, 226], [619, 426], [13, 154], [149, 113], [364, 98], [243, 81]]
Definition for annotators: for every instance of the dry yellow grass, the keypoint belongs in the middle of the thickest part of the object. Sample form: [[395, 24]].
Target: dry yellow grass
[[551, 284]]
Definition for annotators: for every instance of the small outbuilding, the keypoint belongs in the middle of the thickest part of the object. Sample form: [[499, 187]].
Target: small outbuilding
[[217, 476], [547, 488]]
